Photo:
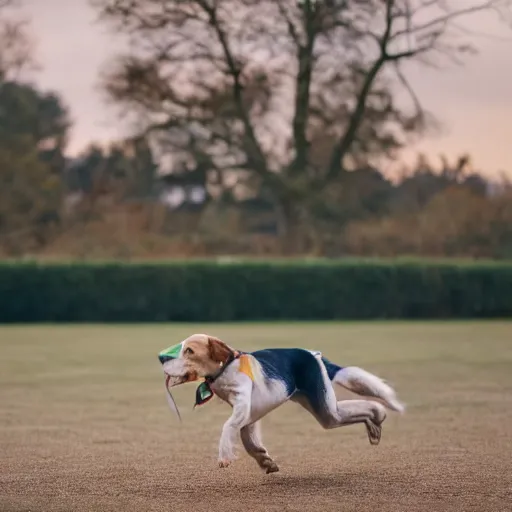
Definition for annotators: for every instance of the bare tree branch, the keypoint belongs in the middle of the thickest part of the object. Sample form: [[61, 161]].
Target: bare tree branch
[[255, 152], [305, 58], [16, 47], [419, 38], [292, 93], [356, 117]]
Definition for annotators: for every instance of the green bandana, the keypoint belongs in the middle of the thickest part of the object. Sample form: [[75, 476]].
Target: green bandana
[[173, 352], [203, 393]]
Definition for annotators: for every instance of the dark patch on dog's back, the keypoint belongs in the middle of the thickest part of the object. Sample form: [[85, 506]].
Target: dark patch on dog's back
[[299, 370], [331, 368], [277, 363]]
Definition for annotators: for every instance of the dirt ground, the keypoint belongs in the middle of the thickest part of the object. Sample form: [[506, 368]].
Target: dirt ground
[[84, 424]]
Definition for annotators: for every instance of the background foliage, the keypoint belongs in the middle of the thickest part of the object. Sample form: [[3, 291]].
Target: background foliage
[[234, 153], [209, 291]]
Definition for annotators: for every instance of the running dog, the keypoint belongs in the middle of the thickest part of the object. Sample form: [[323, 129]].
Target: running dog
[[258, 382]]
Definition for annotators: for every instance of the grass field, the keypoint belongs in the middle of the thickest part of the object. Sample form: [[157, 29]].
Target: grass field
[[84, 424]]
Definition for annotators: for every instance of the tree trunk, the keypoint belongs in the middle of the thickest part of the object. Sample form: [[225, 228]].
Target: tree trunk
[[294, 230]]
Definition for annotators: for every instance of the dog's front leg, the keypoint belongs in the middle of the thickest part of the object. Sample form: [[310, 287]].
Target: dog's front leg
[[251, 439], [239, 418]]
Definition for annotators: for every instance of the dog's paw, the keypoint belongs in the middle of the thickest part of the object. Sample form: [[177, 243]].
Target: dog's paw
[[374, 432], [224, 463], [268, 465], [272, 468]]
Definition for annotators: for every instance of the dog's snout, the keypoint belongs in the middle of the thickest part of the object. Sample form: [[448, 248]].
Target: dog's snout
[[164, 358]]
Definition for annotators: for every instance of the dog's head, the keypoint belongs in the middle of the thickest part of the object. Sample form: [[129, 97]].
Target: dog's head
[[196, 357]]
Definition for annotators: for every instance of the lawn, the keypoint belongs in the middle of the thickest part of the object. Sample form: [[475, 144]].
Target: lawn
[[84, 424]]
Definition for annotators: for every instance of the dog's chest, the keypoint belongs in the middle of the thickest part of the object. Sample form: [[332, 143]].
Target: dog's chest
[[225, 392]]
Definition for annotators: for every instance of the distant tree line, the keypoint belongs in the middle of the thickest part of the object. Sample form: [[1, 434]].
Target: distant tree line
[[266, 135]]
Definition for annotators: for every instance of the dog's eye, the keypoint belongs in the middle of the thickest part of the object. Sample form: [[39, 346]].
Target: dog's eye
[[188, 351]]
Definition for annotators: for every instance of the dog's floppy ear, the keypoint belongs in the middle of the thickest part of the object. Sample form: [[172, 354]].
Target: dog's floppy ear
[[219, 351]]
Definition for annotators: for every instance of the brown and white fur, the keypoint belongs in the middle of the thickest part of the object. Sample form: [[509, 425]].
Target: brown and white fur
[[302, 376]]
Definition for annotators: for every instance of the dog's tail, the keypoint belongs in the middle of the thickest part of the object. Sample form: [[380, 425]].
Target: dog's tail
[[365, 383]]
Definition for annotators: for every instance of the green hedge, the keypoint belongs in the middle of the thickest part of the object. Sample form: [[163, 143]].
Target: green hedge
[[209, 291]]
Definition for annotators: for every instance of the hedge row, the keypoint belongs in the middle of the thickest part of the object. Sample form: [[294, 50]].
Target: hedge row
[[209, 291]]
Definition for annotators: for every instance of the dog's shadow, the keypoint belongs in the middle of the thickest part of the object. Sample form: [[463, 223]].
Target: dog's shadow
[[312, 482], [333, 484]]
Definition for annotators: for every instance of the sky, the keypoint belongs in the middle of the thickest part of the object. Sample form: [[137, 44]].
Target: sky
[[474, 102]]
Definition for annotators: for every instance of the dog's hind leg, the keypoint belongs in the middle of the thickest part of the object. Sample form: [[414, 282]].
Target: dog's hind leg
[[366, 384], [251, 439], [363, 383], [316, 394]]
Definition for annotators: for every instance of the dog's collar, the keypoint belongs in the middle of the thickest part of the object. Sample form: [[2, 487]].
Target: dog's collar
[[232, 356], [204, 392]]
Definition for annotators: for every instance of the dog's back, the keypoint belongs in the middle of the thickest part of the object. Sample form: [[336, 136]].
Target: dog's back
[[301, 373], [297, 368]]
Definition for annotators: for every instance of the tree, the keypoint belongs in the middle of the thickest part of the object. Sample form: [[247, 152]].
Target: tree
[[30, 195], [124, 169], [16, 46], [33, 135], [421, 184], [285, 96], [42, 117]]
